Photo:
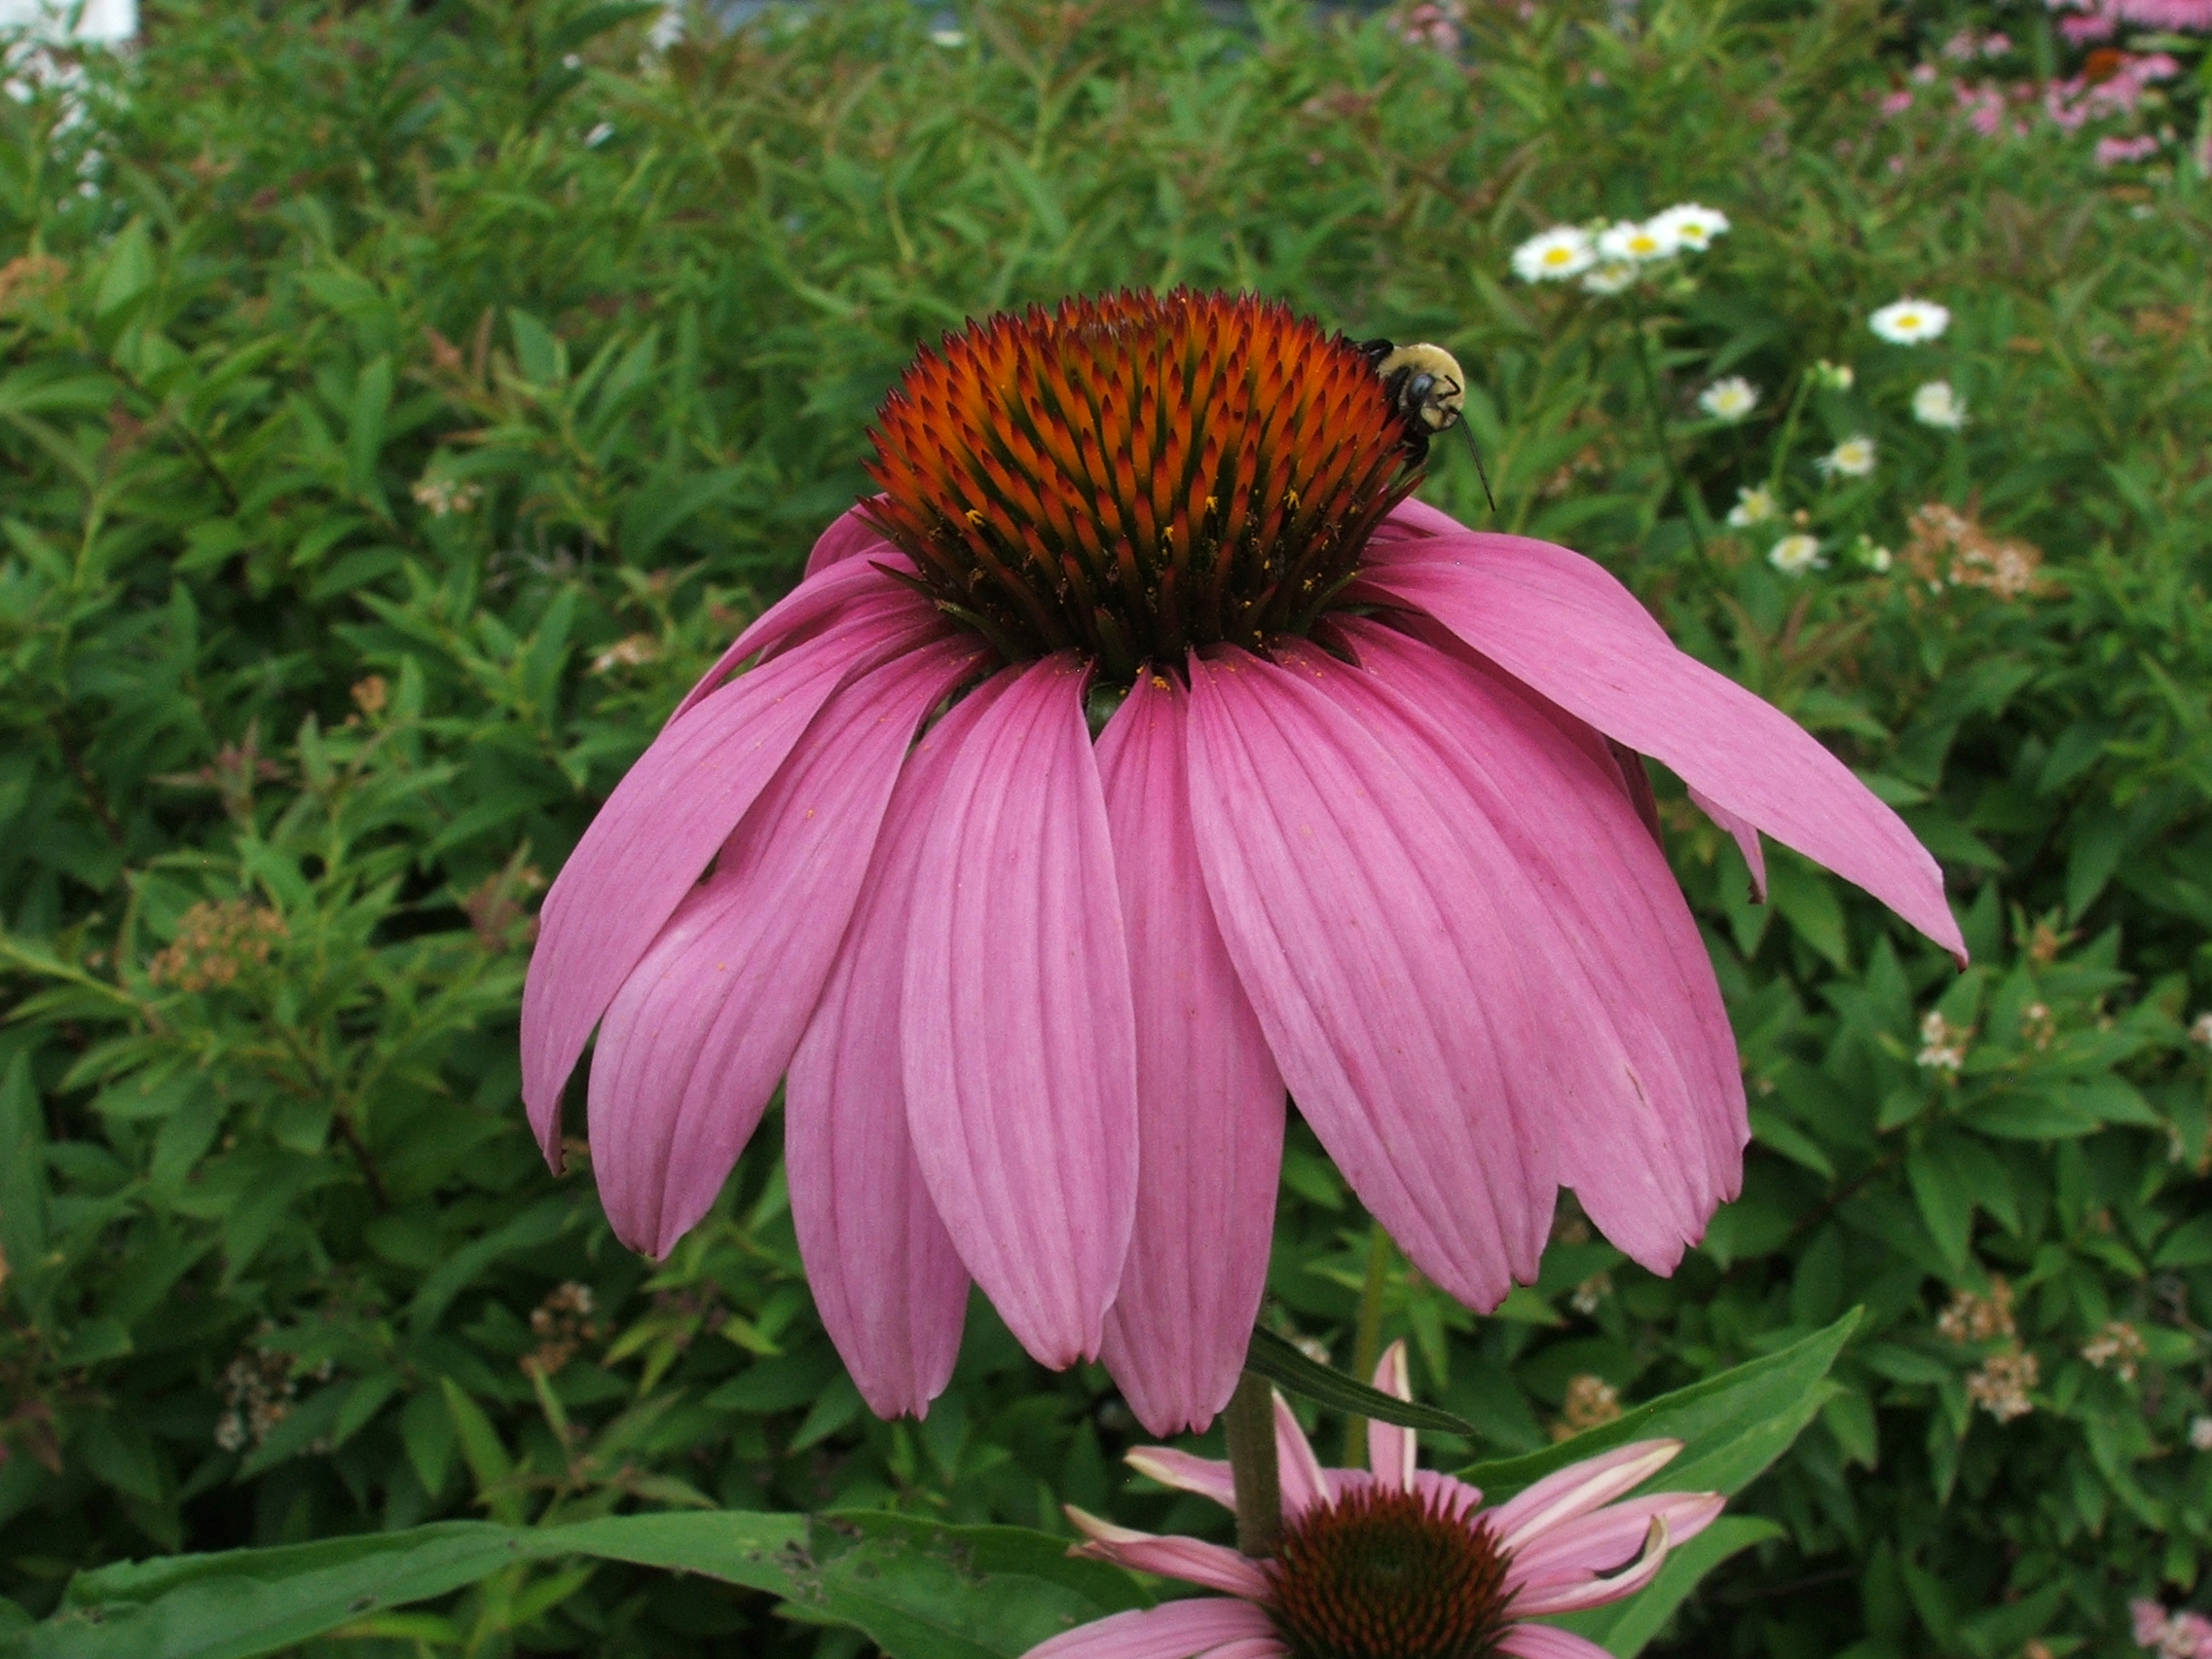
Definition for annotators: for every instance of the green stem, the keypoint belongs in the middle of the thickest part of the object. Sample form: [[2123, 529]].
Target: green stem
[[1789, 435], [1367, 1342], [1250, 1422], [1692, 509]]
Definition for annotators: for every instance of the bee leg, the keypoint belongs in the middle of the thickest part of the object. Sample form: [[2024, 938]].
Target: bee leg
[[1475, 450]]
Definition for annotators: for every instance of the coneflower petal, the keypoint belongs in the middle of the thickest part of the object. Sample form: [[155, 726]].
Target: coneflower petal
[[1579, 1488], [849, 536], [644, 852], [694, 1042], [886, 1280], [1015, 1018], [1564, 625], [862, 592], [1659, 1139], [1209, 1099], [1548, 1642], [1591, 1545], [1392, 994], [1179, 1630]]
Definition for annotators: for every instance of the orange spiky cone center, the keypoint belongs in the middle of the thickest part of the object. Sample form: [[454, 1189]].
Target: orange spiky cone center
[[1388, 1574], [1138, 475]]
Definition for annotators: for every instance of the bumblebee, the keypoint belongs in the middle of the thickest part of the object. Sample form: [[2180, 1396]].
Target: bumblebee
[[1428, 389]]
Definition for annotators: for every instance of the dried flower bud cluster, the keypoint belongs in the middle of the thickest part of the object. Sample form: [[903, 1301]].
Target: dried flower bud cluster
[[1973, 1319], [1591, 1402], [2118, 1349], [562, 1323], [1950, 550], [216, 941], [2000, 1385], [1942, 1045]]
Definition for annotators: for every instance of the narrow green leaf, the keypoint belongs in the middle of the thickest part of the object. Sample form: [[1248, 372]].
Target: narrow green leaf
[[1289, 1370]]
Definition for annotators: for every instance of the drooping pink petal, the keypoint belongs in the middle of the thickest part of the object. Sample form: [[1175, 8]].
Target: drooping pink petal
[[1179, 1630], [1609, 1539], [1015, 1020], [1548, 1642], [855, 593], [1213, 1567], [1380, 966], [1304, 1483], [1564, 625], [889, 1285], [1209, 1101], [693, 1043], [1572, 1597], [849, 536], [1579, 1489], [1651, 1136], [1390, 1450], [1250, 1647], [1743, 833], [1205, 1476], [666, 819]]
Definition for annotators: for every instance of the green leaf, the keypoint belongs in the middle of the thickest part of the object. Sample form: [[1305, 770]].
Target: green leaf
[[1731, 1426], [919, 1590], [1281, 1363]]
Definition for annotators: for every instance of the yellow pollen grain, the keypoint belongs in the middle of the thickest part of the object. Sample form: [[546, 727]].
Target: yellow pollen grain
[[974, 518]]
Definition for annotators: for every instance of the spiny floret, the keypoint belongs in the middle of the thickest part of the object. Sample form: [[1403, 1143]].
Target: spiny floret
[[1137, 474], [1385, 1573]]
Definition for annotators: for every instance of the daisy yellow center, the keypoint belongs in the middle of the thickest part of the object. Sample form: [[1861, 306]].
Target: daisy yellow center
[[1386, 1574], [1557, 255], [1137, 475]]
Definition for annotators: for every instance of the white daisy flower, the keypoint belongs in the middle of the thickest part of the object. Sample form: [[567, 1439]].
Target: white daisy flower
[[1755, 505], [1609, 278], [1854, 458], [1691, 226], [1638, 244], [1729, 399], [1908, 321], [1794, 555], [1935, 404], [1554, 255]]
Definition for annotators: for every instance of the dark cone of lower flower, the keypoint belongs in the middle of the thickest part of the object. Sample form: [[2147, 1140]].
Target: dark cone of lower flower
[[1137, 475], [1387, 1574]]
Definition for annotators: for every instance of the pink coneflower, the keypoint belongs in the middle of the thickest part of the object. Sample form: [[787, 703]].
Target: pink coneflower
[[1361, 817], [1391, 1559]]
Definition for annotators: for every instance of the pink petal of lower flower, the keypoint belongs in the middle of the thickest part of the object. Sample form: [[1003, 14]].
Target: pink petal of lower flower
[[1209, 1099], [1379, 966], [1548, 1642], [1015, 1019], [1179, 1630], [1743, 833], [889, 1285], [1205, 1476], [1562, 624], [1390, 1450], [666, 819], [1652, 1124], [1579, 1489], [1214, 1567], [694, 1042], [1609, 1538], [858, 592], [1304, 1483], [1572, 1597]]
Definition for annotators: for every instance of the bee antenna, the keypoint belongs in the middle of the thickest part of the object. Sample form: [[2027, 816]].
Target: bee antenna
[[1474, 449]]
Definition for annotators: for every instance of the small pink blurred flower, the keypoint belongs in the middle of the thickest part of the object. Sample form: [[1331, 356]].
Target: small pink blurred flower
[[1923, 74], [2112, 152], [1996, 44], [1434, 24], [1897, 102], [1391, 1559]]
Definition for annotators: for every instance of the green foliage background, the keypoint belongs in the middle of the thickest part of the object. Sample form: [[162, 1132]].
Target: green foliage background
[[399, 406]]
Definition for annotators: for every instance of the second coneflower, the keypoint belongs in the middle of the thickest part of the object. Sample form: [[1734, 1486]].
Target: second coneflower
[[1140, 752]]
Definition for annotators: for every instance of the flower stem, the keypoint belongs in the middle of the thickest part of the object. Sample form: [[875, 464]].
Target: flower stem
[[1367, 1342], [1250, 1422], [1692, 509], [1789, 435]]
